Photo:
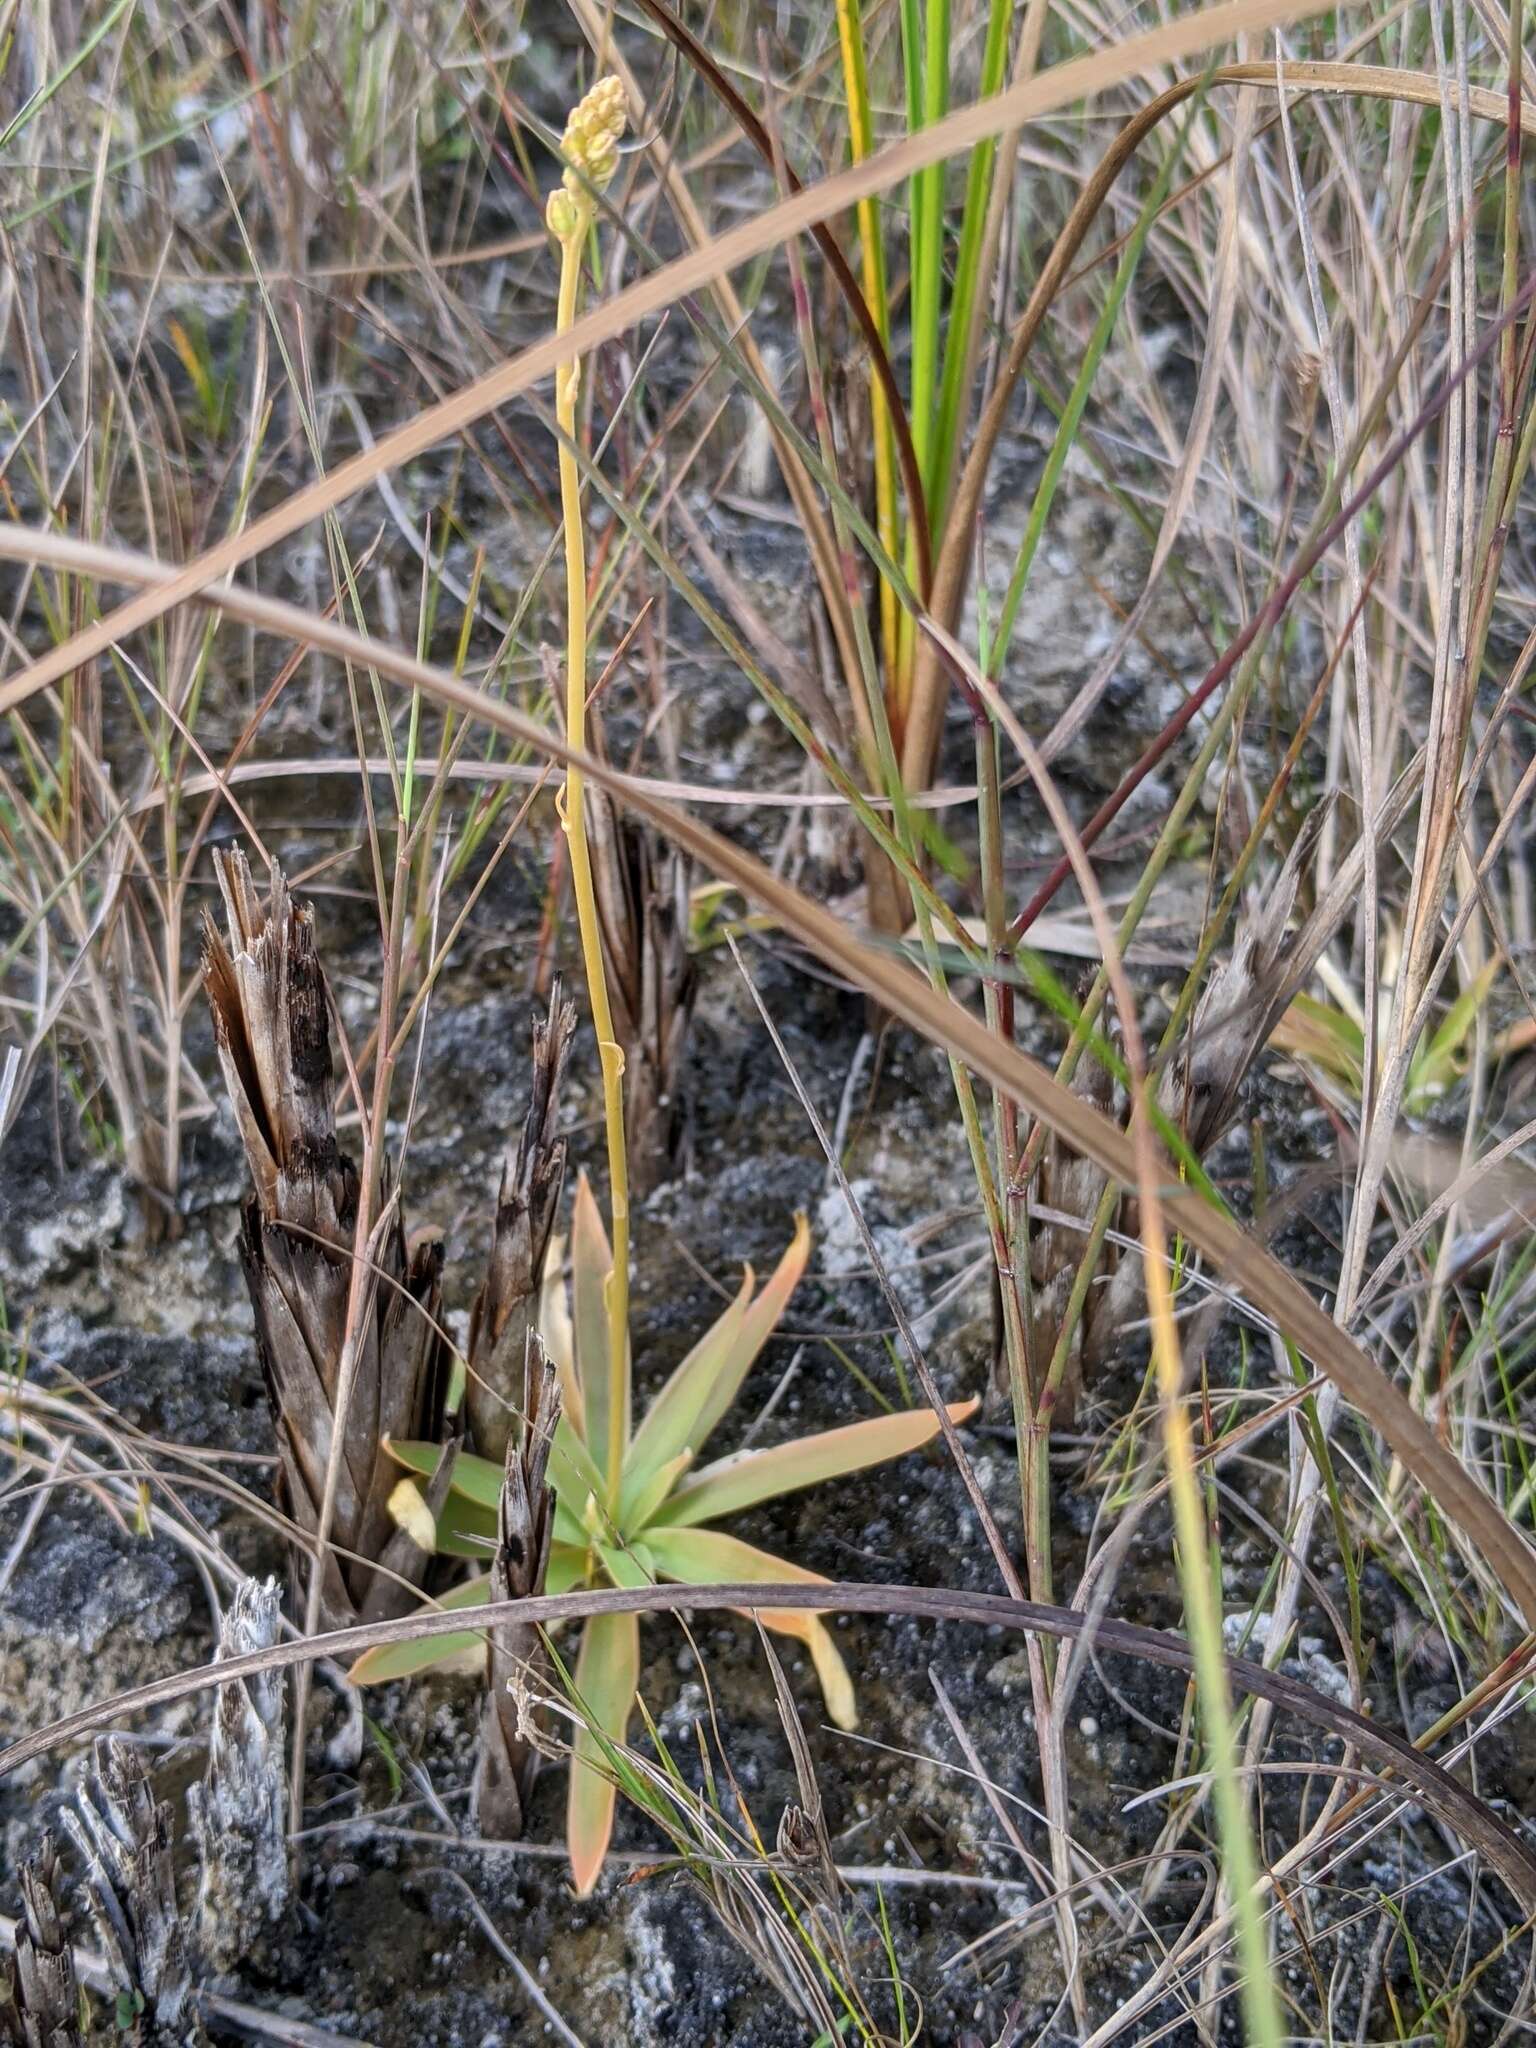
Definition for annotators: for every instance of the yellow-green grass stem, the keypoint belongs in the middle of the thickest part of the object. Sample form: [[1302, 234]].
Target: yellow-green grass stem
[[861, 143], [1197, 1568], [573, 817]]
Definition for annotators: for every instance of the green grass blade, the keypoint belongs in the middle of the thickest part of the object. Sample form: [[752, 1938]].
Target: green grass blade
[[35, 104], [970, 287], [1077, 400]]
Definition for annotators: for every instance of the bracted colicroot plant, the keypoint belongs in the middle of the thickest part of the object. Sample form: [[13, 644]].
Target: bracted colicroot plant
[[629, 1503]]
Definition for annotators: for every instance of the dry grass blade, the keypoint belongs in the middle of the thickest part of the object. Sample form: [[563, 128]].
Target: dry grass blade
[[514, 1649], [1167, 44], [946, 1023], [11, 1091], [1445, 1796], [506, 1308], [270, 1008], [1069, 1186], [1375, 81]]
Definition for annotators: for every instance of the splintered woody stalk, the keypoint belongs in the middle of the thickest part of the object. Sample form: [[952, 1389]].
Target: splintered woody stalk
[[590, 146]]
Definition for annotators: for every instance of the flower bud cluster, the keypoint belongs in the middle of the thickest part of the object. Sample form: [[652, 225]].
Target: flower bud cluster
[[590, 146]]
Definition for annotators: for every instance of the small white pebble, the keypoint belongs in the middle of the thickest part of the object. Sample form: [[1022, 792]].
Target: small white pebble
[[1088, 1727]]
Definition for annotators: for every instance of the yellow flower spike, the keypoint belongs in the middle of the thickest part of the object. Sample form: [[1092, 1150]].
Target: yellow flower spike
[[590, 144], [591, 147]]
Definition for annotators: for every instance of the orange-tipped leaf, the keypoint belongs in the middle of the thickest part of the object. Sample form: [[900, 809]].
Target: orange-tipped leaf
[[707, 1557], [607, 1678]]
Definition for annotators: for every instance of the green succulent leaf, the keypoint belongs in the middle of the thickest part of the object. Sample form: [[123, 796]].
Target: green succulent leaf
[[706, 1383], [572, 1469], [673, 1417], [572, 1473], [639, 1505], [465, 1529], [762, 1319], [629, 1564], [748, 1477], [429, 1653], [477, 1479], [568, 1568]]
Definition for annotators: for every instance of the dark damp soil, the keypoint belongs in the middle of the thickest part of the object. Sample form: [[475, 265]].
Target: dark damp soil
[[385, 1946]]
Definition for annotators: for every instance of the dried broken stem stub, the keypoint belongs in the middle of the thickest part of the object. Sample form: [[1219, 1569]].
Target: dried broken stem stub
[[297, 1245], [123, 1835], [509, 1751], [40, 2004], [238, 1813], [527, 1205]]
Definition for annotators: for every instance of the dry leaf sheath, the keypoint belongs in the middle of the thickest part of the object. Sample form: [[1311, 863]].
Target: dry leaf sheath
[[514, 1651], [642, 900], [270, 1012], [506, 1308]]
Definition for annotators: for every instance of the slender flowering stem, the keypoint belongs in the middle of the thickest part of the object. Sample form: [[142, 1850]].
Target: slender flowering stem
[[590, 147]]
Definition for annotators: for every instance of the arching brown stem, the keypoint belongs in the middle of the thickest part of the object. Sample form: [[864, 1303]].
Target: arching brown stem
[[1449, 1800]]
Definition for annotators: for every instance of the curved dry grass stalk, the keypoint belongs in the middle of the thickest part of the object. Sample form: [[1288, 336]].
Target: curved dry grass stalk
[[1449, 1800], [937, 1017]]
